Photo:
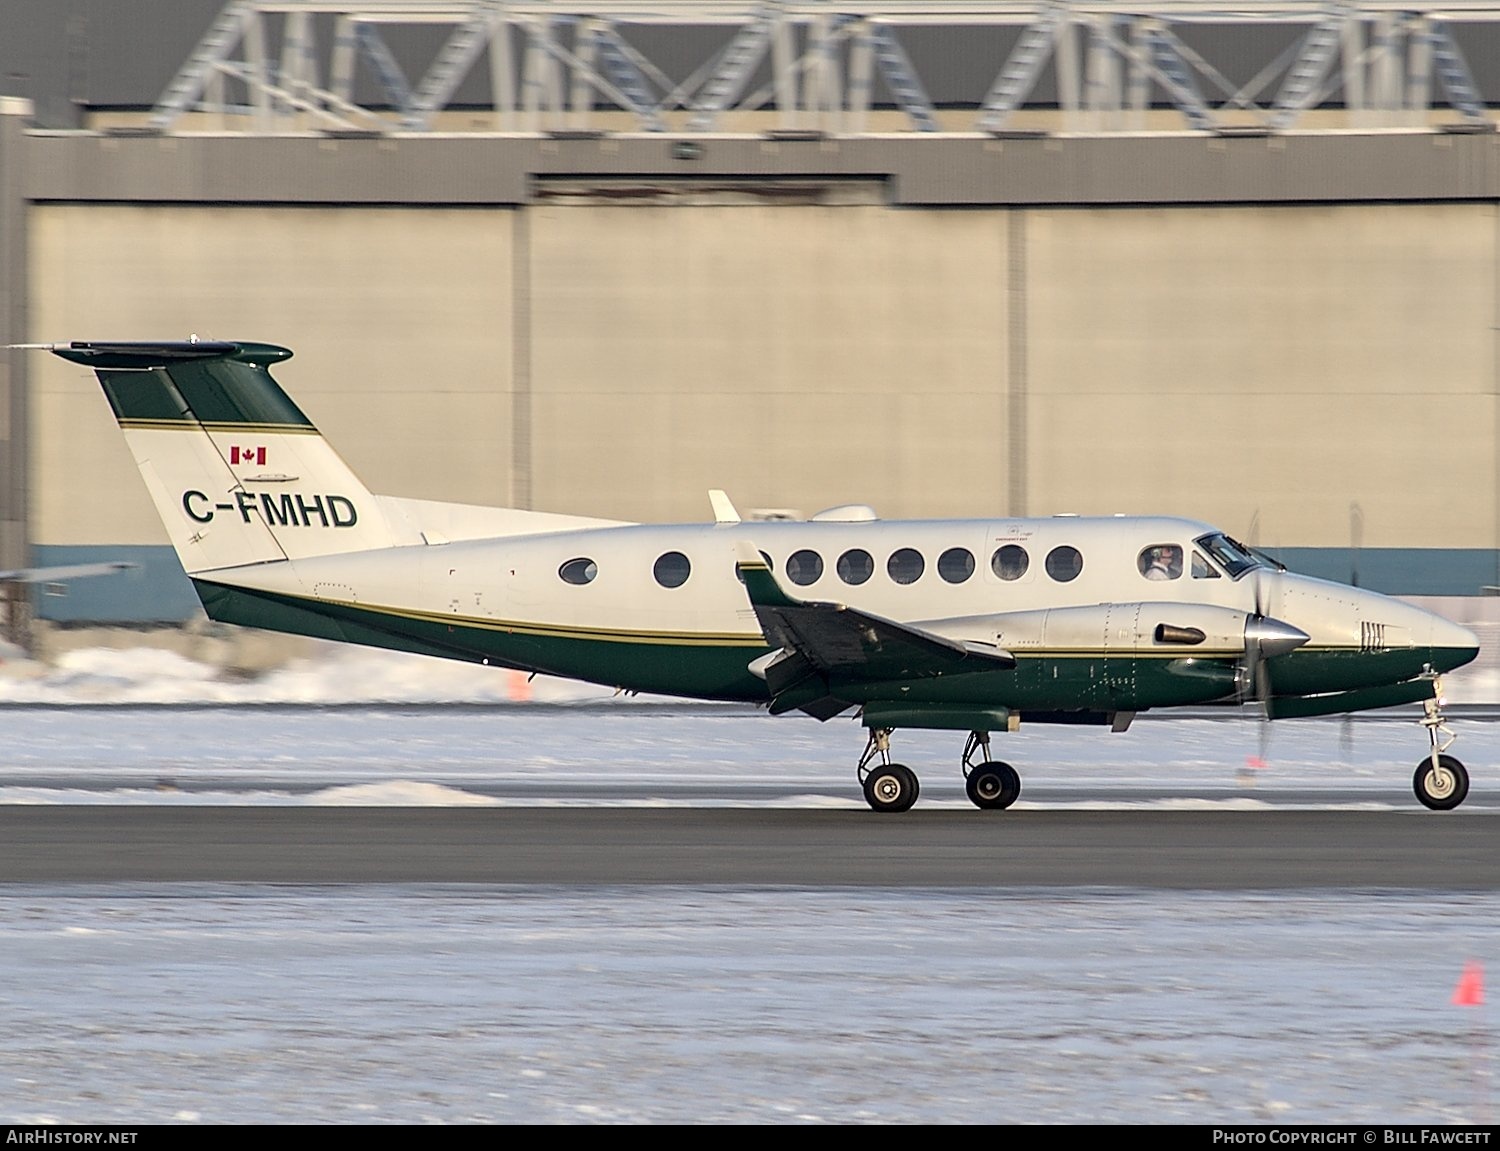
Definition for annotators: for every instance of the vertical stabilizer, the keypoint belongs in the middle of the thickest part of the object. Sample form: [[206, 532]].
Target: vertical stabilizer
[[238, 474]]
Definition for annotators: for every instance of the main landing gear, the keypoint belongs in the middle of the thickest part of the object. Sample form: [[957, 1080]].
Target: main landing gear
[[1441, 781], [888, 786], [992, 785]]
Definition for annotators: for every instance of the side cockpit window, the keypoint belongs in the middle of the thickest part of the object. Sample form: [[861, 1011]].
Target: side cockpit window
[[1160, 562], [1230, 555], [1202, 569]]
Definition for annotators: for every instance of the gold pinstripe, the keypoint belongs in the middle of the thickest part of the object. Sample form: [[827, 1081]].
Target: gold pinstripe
[[219, 426]]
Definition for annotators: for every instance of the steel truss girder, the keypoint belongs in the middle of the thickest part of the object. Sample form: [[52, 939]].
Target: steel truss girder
[[1366, 63]]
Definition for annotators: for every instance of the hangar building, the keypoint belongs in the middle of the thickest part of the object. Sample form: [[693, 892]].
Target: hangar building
[[972, 258]]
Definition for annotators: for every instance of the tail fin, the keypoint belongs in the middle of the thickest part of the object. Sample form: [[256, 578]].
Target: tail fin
[[238, 474]]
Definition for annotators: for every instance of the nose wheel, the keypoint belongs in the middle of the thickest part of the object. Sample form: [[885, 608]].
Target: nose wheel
[[1441, 781]]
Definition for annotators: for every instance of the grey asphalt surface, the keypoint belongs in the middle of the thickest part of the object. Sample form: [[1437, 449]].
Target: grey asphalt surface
[[1183, 850]]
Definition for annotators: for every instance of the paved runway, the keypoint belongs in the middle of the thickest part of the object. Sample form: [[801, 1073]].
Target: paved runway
[[1214, 851]]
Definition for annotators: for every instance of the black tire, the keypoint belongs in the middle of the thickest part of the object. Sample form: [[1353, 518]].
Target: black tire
[[993, 786], [1443, 789], [891, 787]]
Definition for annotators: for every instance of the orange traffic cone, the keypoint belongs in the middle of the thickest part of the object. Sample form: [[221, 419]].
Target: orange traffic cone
[[1470, 989], [519, 687]]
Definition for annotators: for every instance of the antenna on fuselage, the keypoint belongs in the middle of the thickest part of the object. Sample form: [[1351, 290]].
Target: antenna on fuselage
[[723, 506]]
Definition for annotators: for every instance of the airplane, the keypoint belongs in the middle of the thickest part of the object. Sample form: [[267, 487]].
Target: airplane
[[958, 625]]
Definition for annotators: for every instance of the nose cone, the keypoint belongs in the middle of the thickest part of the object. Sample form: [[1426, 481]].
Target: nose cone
[[1452, 644]]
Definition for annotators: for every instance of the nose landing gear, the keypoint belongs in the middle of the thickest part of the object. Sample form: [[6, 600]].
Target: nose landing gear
[[1441, 781]]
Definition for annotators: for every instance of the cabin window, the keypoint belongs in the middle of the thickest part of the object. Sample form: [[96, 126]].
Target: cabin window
[[956, 565], [672, 569], [855, 566], [905, 565], [1064, 563], [1160, 562], [1010, 562], [804, 567], [1202, 569], [579, 571]]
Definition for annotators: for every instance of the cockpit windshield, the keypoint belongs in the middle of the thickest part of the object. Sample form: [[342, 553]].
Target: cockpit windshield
[[1231, 555]]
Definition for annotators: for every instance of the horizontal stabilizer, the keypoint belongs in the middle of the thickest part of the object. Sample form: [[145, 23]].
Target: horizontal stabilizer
[[139, 355]]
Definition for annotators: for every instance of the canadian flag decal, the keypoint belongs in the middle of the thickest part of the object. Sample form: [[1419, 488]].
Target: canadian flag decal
[[239, 455]]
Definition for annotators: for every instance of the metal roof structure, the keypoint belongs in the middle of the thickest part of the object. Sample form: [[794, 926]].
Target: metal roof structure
[[1092, 66]]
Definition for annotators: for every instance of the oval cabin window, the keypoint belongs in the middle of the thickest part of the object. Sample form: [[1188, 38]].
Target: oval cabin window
[[672, 569], [1064, 563], [906, 565], [1010, 562], [579, 571], [804, 567], [956, 565], [855, 566]]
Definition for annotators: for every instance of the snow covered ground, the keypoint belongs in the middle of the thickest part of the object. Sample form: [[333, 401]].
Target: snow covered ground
[[355, 726], [693, 1005], [142, 1003]]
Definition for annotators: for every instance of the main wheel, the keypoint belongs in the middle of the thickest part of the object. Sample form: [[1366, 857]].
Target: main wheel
[[993, 786], [891, 787], [1441, 788]]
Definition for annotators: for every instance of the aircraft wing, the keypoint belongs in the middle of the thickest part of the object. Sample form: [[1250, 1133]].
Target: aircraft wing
[[823, 643]]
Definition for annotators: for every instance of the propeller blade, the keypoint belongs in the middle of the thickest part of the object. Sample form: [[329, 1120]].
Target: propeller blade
[[1265, 639], [1356, 541]]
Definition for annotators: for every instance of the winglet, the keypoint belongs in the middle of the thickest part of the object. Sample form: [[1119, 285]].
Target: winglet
[[760, 584], [724, 509]]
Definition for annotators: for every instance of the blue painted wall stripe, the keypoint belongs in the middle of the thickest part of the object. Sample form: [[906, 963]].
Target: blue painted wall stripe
[[157, 591]]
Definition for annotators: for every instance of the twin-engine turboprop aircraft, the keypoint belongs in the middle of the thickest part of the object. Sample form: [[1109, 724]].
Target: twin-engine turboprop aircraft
[[963, 625]]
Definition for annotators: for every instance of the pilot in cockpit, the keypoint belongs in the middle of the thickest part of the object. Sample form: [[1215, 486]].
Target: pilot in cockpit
[[1161, 562]]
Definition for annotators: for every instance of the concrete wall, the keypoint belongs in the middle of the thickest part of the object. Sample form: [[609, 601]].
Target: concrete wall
[[1221, 362], [1313, 372], [795, 356], [400, 320], [1270, 363]]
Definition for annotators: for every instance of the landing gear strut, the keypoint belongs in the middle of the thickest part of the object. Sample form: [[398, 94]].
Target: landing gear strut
[[1441, 781], [991, 785], [888, 786]]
